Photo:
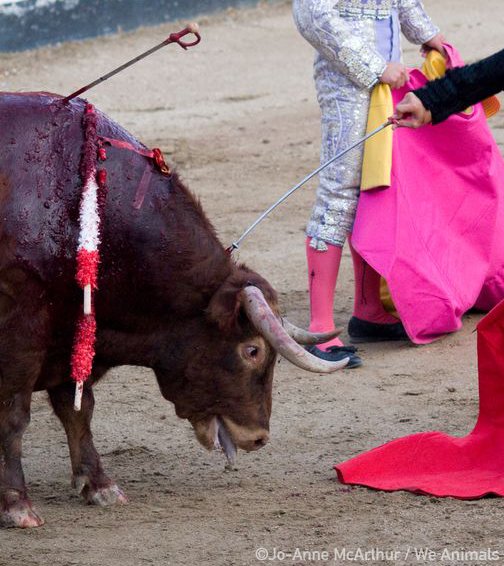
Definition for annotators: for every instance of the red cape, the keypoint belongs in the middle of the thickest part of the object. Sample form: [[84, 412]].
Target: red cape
[[441, 465]]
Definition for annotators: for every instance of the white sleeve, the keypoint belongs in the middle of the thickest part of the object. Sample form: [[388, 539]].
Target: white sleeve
[[415, 23], [320, 24]]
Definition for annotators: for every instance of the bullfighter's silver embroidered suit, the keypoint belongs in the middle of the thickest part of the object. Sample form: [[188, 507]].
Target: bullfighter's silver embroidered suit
[[354, 40]]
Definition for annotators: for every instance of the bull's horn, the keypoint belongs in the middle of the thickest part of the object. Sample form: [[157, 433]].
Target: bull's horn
[[302, 336], [270, 327]]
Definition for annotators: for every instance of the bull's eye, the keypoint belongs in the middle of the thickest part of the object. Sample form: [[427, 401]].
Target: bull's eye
[[252, 351]]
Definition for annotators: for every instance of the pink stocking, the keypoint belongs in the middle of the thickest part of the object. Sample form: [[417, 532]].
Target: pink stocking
[[323, 270], [367, 302]]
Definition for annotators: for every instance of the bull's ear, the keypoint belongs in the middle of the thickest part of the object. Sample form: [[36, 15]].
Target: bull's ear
[[225, 307]]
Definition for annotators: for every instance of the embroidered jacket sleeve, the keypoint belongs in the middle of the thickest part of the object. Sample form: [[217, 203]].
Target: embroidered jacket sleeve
[[463, 87], [415, 23], [320, 24]]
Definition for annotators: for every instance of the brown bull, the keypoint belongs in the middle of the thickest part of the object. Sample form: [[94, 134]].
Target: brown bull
[[170, 298]]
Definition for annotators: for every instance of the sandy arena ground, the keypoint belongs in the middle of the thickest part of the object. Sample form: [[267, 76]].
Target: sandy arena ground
[[238, 117]]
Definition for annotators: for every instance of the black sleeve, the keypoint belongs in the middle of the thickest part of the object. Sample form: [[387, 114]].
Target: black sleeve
[[462, 87]]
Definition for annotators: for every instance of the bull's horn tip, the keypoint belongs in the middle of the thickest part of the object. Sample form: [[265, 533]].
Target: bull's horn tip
[[332, 367], [342, 363]]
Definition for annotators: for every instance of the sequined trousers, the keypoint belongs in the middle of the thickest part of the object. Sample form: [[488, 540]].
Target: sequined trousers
[[344, 108]]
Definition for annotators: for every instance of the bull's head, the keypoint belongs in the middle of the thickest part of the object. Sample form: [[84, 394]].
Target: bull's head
[[220, 378]]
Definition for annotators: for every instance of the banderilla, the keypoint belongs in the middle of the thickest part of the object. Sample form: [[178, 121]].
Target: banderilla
[[172, 38]]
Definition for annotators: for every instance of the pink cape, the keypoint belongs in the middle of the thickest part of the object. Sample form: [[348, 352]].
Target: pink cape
[[437, 234], [441, 465]]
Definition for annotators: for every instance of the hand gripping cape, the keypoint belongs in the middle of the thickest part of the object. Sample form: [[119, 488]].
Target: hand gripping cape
[[441, 465], [436, 235]]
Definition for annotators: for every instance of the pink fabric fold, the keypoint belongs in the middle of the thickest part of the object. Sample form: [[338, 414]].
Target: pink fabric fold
[[437, 234], [436, 463]]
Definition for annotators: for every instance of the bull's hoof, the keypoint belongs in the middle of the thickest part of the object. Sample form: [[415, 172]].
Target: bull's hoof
[[16, 511], [103, 496]]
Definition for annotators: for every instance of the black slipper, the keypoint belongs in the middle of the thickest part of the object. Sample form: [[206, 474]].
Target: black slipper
[[336, 354], [363, 331]]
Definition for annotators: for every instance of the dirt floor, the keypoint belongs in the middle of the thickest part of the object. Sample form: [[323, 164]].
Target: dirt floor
[[238, 117]]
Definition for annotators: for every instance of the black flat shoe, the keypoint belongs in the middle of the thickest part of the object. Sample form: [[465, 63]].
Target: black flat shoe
[[336, 354], [363, 331]]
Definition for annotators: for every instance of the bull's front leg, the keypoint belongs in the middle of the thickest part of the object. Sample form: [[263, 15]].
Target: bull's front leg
[[15, 507], [88, 476]]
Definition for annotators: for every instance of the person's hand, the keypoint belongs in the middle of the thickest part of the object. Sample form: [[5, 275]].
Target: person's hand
[[435, 43], [395, 74], [410, 113]]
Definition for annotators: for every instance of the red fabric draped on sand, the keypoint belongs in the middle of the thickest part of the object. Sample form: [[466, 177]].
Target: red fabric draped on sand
[[441, 465]]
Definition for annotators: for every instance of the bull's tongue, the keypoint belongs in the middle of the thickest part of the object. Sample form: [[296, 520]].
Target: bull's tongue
[[224, 441]]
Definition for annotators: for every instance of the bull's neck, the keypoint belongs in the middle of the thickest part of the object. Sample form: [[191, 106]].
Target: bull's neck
[[164, 265]]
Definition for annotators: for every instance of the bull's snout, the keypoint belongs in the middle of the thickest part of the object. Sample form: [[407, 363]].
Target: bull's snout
[[247, 439], [255, 443], [222, 432]]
